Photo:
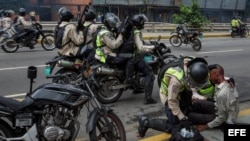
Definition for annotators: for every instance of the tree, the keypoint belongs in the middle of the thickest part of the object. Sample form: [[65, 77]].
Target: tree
[[190, 15]]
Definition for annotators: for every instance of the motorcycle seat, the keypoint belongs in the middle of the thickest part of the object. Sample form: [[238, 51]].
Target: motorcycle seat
[[13, 104]]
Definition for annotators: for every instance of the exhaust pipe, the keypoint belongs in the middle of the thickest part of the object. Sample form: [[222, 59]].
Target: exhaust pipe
[[106, 71], [65, 64]]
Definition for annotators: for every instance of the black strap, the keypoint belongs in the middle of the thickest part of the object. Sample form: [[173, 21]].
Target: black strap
[[69, 40], [85, 35]]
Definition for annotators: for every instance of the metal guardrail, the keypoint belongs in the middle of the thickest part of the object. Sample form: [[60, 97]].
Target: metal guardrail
[[160, 27]]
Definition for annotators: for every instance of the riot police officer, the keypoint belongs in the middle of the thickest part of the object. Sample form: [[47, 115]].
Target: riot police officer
[[175, 93], [137, 63], [90, 27], [25, 26], [71, 38], [106, 41]]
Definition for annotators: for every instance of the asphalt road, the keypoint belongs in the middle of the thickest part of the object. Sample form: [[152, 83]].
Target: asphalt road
[[232, 54]]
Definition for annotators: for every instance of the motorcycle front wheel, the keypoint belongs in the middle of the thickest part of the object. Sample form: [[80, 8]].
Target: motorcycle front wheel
[[105, 94], [5, 131], [111, 130], [175, 41], [10, 46], [196, 44], [48, 42]]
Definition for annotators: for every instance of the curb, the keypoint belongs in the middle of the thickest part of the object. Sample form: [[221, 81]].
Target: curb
[[168, 36]]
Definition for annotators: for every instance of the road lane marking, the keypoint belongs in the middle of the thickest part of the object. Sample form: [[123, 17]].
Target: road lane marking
[[166, 136], [220, 51], [15, 95], [22, 67]]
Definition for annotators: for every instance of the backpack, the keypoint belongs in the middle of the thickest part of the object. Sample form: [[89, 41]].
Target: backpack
[[184, 131], [58, 36]]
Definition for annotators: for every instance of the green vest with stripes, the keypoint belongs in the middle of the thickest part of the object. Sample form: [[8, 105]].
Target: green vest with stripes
[[99, 44], [178, 73]]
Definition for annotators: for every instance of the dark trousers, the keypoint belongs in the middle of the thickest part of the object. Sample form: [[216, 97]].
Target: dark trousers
[[117, 61], [185, 106], [202, 112]]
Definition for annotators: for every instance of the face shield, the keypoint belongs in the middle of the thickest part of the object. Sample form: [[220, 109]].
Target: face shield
[[191, 83]]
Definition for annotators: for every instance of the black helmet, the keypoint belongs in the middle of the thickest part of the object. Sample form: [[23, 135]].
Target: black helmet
[[22, 12], [139, 20], [60, 10], [90, 15], [9, 13], [65, 14], [197, 72], [111, 21]]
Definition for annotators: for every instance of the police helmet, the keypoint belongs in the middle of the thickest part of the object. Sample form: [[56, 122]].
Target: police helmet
[[65, 14], [111, 21], [60, 10], [197, 72], [90, 15], [8, 13], [22, 12], [139, 20]]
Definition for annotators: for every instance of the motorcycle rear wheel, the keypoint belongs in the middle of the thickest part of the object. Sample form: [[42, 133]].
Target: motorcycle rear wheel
[[196, 44], [9, 48], [106, 95], [48, 42], [114, 131], [175, 41]]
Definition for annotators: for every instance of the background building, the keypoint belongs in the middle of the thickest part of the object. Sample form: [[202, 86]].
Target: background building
[[156, 10]]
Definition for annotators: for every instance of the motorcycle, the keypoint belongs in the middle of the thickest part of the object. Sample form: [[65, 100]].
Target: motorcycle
[[50, 112], [70, 65], [183, 36], [12, 40], [111, 79], [243, 33]]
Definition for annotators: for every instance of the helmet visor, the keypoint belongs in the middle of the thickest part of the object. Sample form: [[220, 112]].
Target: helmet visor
[[193, 84]]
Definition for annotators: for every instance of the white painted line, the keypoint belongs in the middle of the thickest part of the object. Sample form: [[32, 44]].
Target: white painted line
[[15, 95], [23, 67], [220, 51]]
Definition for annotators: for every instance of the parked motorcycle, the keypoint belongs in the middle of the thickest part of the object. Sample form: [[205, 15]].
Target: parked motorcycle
[[12, 40], [183, 36], [50, 112], [243, 33]]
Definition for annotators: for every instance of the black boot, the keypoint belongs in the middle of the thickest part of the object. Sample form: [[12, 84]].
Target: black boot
[[149, 100], [156, 124], [148, 95], [143, 126]]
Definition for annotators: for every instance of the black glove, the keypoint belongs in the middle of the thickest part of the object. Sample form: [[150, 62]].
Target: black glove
[[128, 26], [125, 33], [157, 46], [79, 27]]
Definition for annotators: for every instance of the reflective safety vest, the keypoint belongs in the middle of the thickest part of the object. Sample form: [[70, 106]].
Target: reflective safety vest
[[99, 44], [234, 23], [207, 91], [176, 72]]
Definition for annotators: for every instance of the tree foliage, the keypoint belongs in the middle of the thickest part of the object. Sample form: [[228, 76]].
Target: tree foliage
[[190, 15]]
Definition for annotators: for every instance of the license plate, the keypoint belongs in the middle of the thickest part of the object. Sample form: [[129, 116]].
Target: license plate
[[47, 70], [24, 119]]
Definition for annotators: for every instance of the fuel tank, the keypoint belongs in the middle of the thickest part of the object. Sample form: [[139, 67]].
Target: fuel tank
[[65, 94]]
